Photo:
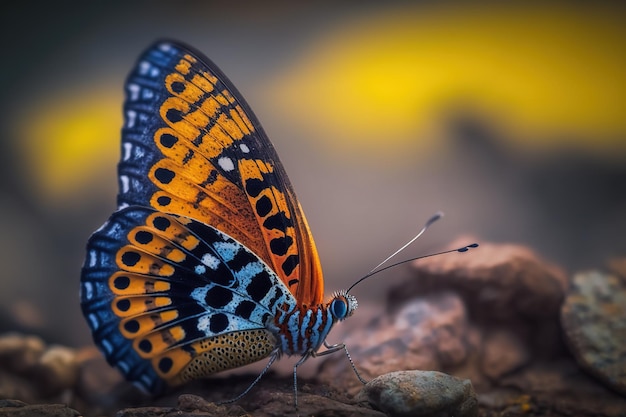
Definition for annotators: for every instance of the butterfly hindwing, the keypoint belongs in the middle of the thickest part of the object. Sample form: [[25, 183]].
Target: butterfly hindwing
[[166, 295], [192, 146]]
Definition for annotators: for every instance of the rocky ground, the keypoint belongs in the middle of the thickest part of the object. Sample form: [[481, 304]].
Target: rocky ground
[[509, 333]]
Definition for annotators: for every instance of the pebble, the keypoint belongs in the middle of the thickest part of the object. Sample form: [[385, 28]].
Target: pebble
[[421, 393], [19, 353], [593, 317]]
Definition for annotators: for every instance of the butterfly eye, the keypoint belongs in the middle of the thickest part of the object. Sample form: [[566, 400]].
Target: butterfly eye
[[339, 308]]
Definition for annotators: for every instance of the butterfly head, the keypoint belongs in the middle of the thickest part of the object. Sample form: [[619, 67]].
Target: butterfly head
[[342, 305]]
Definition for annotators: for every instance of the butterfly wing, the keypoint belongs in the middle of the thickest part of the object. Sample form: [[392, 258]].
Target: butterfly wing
[[192, 146], [170, 299]]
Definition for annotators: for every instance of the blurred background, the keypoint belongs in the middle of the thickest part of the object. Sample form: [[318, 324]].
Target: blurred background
[[508, 117]]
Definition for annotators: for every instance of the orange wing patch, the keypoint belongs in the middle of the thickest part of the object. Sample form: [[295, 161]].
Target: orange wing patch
[[219, 169]]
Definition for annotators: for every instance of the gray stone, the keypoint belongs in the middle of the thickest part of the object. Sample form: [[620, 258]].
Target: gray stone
[[594, 322], [421, 393]]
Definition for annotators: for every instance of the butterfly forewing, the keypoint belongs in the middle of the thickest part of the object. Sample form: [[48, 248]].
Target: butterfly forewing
[[192, 146]]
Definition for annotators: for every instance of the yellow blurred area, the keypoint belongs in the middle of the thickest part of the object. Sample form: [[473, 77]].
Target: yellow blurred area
[[546, 72], [552, 74], [67, 151]]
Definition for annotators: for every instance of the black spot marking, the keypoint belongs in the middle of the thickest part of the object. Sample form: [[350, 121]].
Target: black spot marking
[[242, 259], [145, 346], [161, 223], [200, 196], [218, 323], [245, 309], [277, 221], [277, 295], [168, 140], [210, 179], [164, 201], [121, 283], [263, 206], [164, 175], [165, 364], [130, 258], [123, 305], [178, 87], [188, 156], [174, 115], [259, 286], [293, 282], [218, 297], [254, 186], [280, 245], [132, 326], [143, 237], [290, 264]]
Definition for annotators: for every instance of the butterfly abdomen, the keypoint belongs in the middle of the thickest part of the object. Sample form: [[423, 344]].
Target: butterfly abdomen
[[303, 329]]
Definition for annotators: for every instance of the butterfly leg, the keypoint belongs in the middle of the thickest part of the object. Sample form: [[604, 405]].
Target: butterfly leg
[[295, 376], [273, 357], [334, 348]]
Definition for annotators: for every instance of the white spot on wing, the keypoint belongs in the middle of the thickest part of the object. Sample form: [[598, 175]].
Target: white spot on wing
[[200, 269], [124, 183], [133, 90], [210, 261], [87, 290], [226, 164], [131, 116], [128, 148], [203, 325], [93, 258], [144, 67], [244, 148]]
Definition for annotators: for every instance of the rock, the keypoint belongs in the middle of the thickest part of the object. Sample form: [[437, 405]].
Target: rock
[[561, 388], [497, 281], [13, 408], [502, 353], [97, 379], [19, 353], [56, 370], [421, 393], [430, 333], [506, 285], [594, 322]]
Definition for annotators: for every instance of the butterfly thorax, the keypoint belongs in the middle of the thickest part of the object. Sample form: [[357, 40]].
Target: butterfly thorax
[[304, 328]]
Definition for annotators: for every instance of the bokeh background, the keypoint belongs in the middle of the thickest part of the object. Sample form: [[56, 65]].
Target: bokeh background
[[508, 117]]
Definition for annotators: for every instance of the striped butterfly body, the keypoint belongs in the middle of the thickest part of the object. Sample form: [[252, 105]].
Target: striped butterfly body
[[209, 263]]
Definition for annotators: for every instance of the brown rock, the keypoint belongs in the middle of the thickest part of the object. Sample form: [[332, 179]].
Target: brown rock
[[430, 333], [96, 378], [594, 322], [498, 281], [560, 388], [19, 353], [505, 286], [502, 353], [56, 370]]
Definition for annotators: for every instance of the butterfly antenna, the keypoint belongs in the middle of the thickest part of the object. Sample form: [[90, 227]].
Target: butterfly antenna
[[429, 223]]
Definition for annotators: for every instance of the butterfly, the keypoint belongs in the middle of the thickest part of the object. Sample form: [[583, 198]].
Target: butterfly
[[209, 263]]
